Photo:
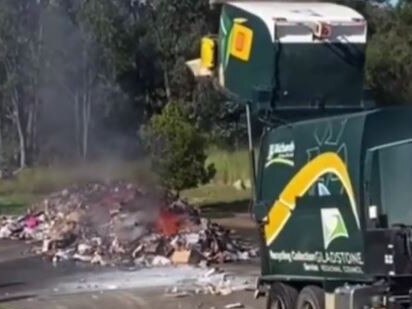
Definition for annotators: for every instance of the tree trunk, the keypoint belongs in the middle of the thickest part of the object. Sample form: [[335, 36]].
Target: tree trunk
[[34, 135], [22, 143], [32, 143], [29, 133], [86, 109], [86, 122], [167, 83], [20, 130], [77, 127]]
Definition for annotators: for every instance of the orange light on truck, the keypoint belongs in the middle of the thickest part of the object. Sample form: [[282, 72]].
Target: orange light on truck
[[240, 41], [241, 45]]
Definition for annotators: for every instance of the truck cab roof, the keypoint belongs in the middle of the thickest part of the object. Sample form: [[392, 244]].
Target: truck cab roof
[[297, 12]]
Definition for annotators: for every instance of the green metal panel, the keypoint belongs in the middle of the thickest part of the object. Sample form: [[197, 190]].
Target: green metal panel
[[388, 138], [242, 77], [302, 239], [309, 74], [395, 177], [290, 75], [302, 250], [388, 125]]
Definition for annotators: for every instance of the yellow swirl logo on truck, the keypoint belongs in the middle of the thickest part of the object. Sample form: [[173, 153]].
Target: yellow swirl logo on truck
[[301, 182]]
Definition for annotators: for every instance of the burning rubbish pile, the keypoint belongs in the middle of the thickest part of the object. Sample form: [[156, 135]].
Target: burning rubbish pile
[[119, 224]]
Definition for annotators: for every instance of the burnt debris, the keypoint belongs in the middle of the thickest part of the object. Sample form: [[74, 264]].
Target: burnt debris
[[118, 223]]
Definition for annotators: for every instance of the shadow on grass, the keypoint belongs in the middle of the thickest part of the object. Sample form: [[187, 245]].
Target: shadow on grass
[[225, 209]]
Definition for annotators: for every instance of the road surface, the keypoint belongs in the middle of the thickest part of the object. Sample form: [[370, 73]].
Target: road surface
[[137, 299], [29, 282]]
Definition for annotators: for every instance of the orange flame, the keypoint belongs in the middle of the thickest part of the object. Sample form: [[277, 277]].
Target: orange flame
[[168, 223]]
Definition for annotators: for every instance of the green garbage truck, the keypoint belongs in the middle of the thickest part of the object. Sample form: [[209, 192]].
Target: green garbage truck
[[332, 180]]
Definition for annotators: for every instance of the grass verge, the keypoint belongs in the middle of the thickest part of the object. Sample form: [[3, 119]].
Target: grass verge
[[212, 195], [31, 184], [230, 166]]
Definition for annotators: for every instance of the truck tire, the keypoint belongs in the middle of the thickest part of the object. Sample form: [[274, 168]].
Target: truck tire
[[282, 296], [311, 297]]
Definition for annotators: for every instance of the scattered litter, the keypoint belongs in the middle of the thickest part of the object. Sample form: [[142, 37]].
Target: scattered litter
[[213, 282], [161, 261], [234, 306], [98, 260], [5, 232], [192, 256], [117, 223], [82, 258], [178, 294], [32, 222], [225, 291], [84, 249], [210, 272], [239, 185]]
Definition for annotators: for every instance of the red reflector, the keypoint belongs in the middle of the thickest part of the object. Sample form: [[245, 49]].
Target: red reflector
[[323, 30], [326, 31]]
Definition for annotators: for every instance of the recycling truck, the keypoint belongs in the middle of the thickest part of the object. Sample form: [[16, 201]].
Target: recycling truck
[[332, 181]]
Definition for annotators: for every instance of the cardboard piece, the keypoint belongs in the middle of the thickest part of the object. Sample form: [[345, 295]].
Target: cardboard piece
[[187, 257]]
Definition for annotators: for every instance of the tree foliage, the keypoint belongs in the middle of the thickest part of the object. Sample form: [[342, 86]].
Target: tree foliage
[[78, 78], [177, 149], [389, 58]]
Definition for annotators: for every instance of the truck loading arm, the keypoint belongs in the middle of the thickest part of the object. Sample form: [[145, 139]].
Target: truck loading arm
[[251, 153]]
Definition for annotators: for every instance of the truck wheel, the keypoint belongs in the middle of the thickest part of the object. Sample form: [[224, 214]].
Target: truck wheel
[[282, 296], [311, 297]]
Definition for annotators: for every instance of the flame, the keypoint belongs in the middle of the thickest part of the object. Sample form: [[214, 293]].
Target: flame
[[168, 223]]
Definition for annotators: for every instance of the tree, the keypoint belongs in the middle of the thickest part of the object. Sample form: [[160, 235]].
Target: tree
[[176, 27], [177, 149], [389, 56], [213, 112], [20, 60]]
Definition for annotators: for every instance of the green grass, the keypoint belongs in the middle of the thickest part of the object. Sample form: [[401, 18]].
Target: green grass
[[32, 184], [230, 166], [15, 203], [44, 180], [214, 194]]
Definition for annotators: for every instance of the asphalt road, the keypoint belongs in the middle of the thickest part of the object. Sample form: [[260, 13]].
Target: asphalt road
[[27, 281], [137, 299]]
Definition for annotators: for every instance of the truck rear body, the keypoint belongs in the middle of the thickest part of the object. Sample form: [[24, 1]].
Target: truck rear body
[[332, 182], [334, 206], [330, 191]]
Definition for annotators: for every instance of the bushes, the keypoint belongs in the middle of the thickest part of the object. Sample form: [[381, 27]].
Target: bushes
[[177, 150]]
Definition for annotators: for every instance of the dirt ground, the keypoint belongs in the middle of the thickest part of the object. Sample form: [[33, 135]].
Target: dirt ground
[[28, 282]]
